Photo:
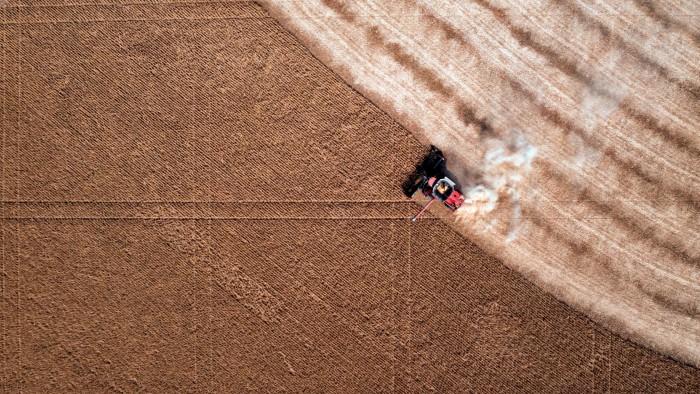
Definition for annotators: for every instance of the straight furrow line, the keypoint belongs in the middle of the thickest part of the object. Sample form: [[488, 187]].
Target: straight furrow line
[[219, 218], [209, 202], [43, 22]]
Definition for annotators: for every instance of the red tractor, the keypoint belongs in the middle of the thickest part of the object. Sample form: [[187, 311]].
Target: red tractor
[[430, 177]]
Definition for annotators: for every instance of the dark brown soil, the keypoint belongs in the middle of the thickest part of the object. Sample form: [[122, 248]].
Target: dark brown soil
[[192, 202]]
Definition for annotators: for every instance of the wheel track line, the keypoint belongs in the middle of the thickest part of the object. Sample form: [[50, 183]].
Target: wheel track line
[[88, 202], [279, 210], [57, 22], [311, 218], [394, 306], [410, 314], [4, 210], [17, 197]]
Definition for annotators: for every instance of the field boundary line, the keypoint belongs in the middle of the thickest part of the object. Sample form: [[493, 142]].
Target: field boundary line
[[409, 343], [2, 190], [17, 224], [206, 202], [220, 218], [51, 22]]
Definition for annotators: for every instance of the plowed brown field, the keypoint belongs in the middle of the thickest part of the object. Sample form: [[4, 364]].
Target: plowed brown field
[[192, 203]]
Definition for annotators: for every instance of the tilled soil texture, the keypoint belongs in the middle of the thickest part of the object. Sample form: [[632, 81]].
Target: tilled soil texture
[[192, 203], [573, 126]]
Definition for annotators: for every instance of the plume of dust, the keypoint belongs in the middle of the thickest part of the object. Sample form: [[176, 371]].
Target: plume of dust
[[503, 167], [601, 96]]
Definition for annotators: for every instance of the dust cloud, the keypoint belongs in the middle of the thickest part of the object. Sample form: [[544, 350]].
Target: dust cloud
[[505, 163]]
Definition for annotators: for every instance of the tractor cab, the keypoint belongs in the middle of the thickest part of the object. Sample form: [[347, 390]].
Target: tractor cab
[[442, 188]]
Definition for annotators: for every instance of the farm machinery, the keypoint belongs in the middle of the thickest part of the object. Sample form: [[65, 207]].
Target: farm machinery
[[431, 178]]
